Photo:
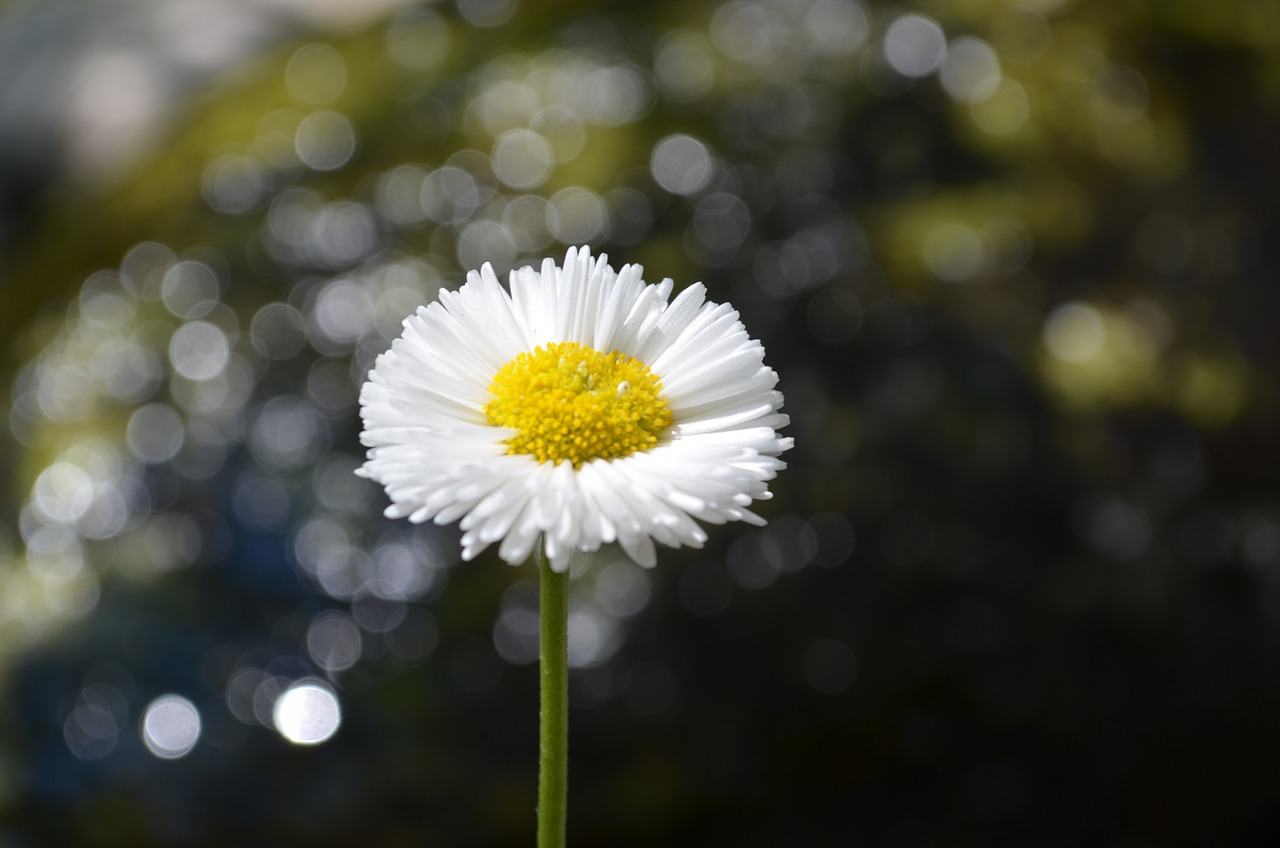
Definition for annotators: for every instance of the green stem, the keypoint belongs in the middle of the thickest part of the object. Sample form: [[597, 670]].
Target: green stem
[[553, 648]]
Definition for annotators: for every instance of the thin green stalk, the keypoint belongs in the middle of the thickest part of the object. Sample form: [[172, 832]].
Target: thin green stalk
[[553, 663]]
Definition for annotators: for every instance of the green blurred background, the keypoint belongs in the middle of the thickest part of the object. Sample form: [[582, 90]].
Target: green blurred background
[[1012, 260]]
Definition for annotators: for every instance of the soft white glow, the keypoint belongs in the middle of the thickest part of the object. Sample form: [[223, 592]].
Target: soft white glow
[[915, 45], [325, 141], [1004, 110], [577, 215], [155, 433], [199, 350], [971, 71], [171, 727], [316, 73], [953, 251], [522, 159], [683, 65], [333, 640], [836, 27], [307, 713], [681, 164], [1074, 332]]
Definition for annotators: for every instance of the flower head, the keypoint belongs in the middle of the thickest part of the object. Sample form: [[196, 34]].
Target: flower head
[[582, 406]]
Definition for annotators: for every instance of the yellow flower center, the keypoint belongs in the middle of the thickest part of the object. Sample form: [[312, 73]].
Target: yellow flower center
[[572, 402]]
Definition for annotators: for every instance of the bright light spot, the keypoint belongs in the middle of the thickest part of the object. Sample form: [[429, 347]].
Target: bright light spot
[[562, 129], [76, 597], [419, 39], [131, 372], [593, 638], [344, 311], [721, 221], [223, 394], [577, 216], [171, 727], [490, 241], [621, 588], [401, 572], [287, 432], [1074, 332], [747, 32], [515, 635], [525, 218], [487, 13], [504, 105], [971, 71], [334, 482], [400, 193], [836, 27], [684, 66], [62, 493], [681, 164], [190, 289], [378, 615], [334, 642], [522, 159], [100, 300], [613, 96], [915, 46], [54, 552], [318, 540], [449, 195], [953, 251], [307, 713], [92, 728], [1004, 111], [325, 141], [331, 386], [113, 100], [143, 268], [277, 331], [199, 350], [234, 184], [315, 74], [155, 433], [341, 233], [241, 691]]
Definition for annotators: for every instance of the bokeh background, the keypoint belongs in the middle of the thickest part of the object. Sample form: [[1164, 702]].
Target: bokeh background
[[1014, 261]]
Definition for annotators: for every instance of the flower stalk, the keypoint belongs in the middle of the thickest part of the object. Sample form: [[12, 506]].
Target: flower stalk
[[553, 666]]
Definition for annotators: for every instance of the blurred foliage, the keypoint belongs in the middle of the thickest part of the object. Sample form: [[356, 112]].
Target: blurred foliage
[[1014, 264]]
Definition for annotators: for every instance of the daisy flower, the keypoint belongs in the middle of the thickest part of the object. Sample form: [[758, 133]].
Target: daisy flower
[[582, 406]]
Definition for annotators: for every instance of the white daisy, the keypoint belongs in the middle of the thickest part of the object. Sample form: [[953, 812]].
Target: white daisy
[[583, 406]]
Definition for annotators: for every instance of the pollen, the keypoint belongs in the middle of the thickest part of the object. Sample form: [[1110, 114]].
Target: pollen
[[569, 401]]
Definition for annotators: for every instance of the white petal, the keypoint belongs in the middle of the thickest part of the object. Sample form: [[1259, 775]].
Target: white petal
[[439, 458]]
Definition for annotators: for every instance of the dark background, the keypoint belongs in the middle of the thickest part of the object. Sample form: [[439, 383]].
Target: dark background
[[1020, 584]]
